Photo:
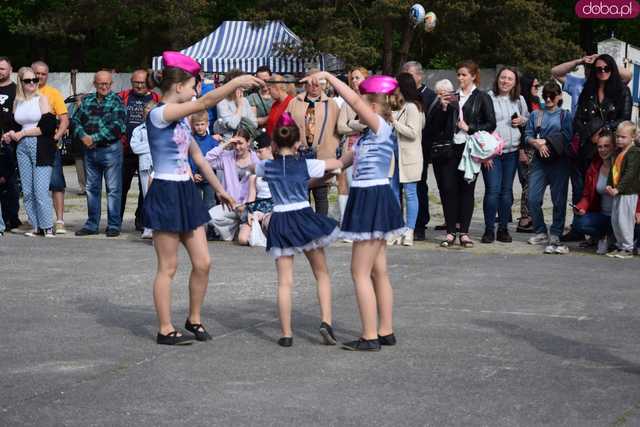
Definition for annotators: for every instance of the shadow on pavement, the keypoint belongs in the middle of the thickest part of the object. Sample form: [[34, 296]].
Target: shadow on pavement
[[561, 347]]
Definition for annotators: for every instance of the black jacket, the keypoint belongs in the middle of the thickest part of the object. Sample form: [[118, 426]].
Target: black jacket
[[7, 161], [591, 115], [478, 112], [428, 97], [46, 148]]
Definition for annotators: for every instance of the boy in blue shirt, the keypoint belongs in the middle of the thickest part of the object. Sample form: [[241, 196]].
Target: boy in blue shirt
[[200, 128]]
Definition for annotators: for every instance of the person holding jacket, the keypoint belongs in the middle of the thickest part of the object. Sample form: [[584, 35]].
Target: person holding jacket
[[475, 113], [498, 173]]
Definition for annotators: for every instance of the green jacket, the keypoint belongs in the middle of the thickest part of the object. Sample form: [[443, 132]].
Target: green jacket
[[629, 174]]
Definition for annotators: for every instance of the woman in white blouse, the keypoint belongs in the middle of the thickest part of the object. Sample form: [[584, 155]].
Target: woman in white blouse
[[233, 109]]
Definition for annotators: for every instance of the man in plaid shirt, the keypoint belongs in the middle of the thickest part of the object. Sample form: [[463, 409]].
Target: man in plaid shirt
[[99, 123]]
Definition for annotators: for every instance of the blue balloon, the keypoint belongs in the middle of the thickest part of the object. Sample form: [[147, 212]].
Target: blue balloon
[[417, 14]]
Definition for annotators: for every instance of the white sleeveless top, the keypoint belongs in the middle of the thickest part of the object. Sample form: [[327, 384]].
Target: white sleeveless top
[[28, 113]]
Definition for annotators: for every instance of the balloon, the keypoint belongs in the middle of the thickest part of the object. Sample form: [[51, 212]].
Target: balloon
[[416, 14], [430, 22]]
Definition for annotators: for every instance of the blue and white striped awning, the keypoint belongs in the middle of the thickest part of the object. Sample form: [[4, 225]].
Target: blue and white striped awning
[[246, 46]]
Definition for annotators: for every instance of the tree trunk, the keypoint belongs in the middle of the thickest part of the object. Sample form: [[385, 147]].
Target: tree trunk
[[387, 59], [586, 36], [407, 38]]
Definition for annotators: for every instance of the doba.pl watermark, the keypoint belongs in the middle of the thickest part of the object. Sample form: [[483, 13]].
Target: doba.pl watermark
[[607, 9]]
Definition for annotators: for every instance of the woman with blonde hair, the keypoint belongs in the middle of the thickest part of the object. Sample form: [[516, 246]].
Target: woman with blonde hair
[[35, 151]]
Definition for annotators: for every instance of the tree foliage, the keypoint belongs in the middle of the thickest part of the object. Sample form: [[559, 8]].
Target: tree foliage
[[91, 34]]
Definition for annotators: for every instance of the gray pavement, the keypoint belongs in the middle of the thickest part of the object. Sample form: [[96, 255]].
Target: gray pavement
[[495, 336]]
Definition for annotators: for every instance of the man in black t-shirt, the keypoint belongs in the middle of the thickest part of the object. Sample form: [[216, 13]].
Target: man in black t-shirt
[[9, 196], [134, 101]]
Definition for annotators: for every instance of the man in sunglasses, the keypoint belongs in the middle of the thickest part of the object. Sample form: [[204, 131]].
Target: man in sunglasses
[[572, 84], [134, 101], [58, 107], [99, 122]]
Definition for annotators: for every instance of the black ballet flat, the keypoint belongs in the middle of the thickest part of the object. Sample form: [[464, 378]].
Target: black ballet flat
[[198, 330], [326, 331], [172, 338], [387, 339], [362, 345], [285, 342]]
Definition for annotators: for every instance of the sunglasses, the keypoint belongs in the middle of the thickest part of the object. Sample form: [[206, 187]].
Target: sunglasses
[[550, 96], [602, 70], [31, 81]]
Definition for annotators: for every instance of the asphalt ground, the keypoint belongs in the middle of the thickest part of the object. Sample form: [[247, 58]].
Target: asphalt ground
[[499, 335]]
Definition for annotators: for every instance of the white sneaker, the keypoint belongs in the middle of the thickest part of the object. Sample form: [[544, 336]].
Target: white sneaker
[[539, 239], [147, 233], [48, 232], [550, 249], [603, 246], [562, 249], [394, 240], [32, 233], [407, 238], [58, 228]]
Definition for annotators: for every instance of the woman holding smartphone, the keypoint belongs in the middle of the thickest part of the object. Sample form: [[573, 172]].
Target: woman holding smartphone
[[511, 114]]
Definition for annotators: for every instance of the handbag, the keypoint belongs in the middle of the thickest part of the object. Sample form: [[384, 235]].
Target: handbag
[[257, 238], [442, 150]]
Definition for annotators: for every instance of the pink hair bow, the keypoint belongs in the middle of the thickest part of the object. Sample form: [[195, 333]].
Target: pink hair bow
[[285, 120]]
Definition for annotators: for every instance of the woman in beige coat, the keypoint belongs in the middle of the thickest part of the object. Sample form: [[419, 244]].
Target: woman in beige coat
[[408, 121]]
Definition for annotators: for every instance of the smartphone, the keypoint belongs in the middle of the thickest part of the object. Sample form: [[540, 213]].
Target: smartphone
[[514, 116]]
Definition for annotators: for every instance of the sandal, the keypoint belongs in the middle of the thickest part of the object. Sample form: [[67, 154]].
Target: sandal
[[467, 242], [448, 241], [172, 338], [198, 330]]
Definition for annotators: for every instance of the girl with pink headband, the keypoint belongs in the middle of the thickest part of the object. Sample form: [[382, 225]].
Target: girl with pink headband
[[173, 209], [294, 227], [373, 213]]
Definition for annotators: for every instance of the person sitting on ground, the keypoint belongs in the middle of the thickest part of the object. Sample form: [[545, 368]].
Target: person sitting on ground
[[624, 186], [236, 160], [259, 202], [592, 214]]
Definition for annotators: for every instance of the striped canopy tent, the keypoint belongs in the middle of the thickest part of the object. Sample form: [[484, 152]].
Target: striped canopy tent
[[246, 46]]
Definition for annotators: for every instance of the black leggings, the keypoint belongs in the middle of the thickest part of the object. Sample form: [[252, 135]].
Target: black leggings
[[456, 194], [321, 199]]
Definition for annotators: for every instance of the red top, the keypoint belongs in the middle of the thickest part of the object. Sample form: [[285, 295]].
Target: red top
[[590, 201], [277, 108]]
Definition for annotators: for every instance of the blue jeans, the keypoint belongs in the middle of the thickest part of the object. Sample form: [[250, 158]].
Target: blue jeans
[[1, 224], [555, 175], [498, 195], [411, 196], [594, 224], [107, 162], [58, 182], [208, 195]]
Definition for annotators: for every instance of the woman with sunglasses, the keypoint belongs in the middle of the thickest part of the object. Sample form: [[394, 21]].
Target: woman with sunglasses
[[549, 132], [604, 103], [35, 155]]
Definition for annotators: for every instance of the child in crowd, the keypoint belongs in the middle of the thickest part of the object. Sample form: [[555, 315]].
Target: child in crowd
[[624, 186], [259, 202], [200, 127], [140, 145], [173, 209], [294, 227], [373, 213]]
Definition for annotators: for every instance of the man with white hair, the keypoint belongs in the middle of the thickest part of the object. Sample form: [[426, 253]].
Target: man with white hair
[[58, 107], [428, 97]]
